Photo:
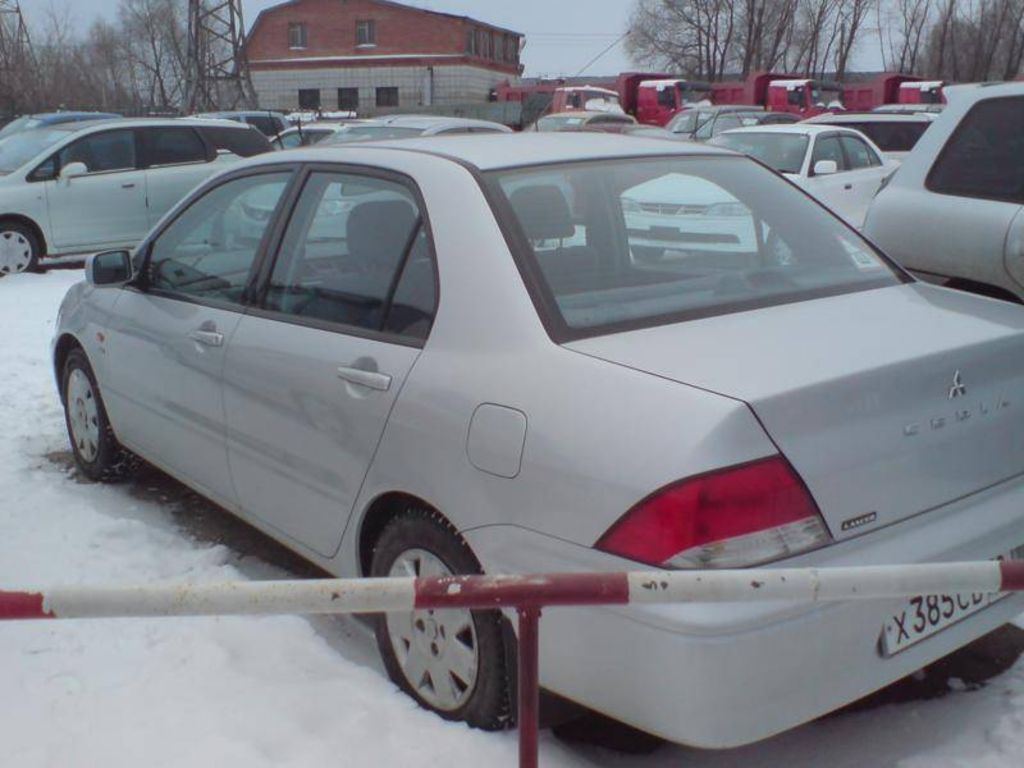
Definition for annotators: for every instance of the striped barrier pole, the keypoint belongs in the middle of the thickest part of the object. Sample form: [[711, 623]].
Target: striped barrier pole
[[528, 594]]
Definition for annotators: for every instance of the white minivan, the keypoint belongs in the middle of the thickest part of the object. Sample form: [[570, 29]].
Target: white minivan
[[83, 187]]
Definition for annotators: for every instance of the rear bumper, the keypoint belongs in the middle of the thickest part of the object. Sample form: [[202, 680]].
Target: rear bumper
[[725, 675]]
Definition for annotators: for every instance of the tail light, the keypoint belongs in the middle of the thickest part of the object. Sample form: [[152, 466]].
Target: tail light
[[732, 518]]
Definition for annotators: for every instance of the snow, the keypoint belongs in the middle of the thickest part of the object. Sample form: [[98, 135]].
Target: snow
[[289, 691]]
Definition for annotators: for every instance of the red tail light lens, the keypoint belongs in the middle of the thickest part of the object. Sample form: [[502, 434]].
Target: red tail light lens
[[732, 518]]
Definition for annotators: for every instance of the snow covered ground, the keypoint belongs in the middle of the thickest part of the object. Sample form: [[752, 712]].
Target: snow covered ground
[[287, 691]]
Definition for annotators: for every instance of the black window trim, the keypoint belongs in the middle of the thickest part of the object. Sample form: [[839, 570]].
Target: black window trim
[[257, 306], [929, 183], [145, 251], [545, 303]]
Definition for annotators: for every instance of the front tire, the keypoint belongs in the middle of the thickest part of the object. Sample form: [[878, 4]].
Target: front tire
[[97, 452], [452, 662], [20, 249]]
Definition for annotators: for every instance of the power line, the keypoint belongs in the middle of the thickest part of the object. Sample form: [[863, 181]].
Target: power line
[[594, 60]]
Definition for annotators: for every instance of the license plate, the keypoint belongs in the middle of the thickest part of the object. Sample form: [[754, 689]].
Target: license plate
[[924, 615]]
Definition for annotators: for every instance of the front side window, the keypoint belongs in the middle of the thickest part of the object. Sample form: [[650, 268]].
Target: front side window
[[173, 146], [984, 158], [208, 251], [828, 148], [298, 36], [102, 152], [366, 33], [622, 244], [356, 254]]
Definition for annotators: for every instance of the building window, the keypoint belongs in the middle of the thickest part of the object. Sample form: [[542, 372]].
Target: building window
[[387, 97], [366, 33], [309, 98], [484, 44], [348, 99], [297, 36], [511, 48], [471, 46], [495, 46]]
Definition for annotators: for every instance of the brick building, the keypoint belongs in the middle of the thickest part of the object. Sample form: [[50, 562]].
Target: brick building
[[372, 55]]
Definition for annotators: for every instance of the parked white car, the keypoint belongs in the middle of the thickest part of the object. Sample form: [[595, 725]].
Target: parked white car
[[953, 214], [80, 187], [840, 167]]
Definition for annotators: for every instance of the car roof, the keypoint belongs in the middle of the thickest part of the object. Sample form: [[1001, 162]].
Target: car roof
[[432, 121], [798, 128], [488, 152], [871, 117], [142, 122], [724, 108]]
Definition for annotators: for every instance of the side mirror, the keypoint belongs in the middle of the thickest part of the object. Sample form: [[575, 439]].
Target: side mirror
[[826, 167], [71, 170], [109, 268]]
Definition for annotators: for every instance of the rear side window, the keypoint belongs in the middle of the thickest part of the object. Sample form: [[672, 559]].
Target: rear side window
[[356, 254], [984, 158], [828, 148], [620, 244], [892, 137], [241, 142], [173, 146], [858, 154]]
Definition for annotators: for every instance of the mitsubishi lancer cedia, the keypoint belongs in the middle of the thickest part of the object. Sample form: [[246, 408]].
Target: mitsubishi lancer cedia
[[441, 356]]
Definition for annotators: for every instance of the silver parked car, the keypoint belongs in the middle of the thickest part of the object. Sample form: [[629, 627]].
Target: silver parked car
[[437, 356], [954, 213]]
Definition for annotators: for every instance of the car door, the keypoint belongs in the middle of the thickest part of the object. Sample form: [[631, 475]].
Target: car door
[[177, 160], [167, 336], [311, 376], [105, 206], [834, 190], [863, 179]]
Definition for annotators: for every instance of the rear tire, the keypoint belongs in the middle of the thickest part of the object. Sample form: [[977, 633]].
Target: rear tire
[[20, 249], [97, 452], [452, 662]]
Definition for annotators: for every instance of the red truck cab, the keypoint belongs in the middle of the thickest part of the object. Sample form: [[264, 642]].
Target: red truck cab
[[586, 98], [781, 93], [887, 88], [922, 92], [658, 101]]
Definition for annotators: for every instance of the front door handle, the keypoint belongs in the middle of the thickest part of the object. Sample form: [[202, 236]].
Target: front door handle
[[370, 379], [207, 338], [848, 186], [128, 185]]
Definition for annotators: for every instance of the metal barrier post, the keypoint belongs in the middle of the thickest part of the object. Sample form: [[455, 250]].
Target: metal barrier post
[[529, 686]]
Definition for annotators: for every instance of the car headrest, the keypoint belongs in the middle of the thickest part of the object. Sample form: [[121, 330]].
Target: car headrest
[[379, 231], [543, 212]]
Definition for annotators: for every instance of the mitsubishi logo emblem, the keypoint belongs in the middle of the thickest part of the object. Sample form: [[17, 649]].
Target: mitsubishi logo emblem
[[958, 389]]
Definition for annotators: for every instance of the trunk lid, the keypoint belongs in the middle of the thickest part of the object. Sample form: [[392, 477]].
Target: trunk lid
[[887, 402]]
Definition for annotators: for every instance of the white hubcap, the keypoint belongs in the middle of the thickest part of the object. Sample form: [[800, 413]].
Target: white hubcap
[[437, 649], [15, 252], [82, 415]]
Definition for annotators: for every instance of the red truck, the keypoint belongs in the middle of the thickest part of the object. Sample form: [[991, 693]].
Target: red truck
[[778, 92], [655, 98], [891, 88]]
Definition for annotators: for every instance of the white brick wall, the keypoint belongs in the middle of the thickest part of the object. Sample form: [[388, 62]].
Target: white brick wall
[[453, 84]]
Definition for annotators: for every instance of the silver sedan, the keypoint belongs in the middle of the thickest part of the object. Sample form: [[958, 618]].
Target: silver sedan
[[460, 355]]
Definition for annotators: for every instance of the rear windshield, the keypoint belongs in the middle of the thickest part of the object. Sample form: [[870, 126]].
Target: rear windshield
[[891, 137], [782, 151], [17, 149], [620, 244]]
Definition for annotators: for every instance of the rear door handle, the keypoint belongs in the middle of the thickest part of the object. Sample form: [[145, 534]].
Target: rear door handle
[[128, 185], [848, 186], [370, 379], [207, 338]]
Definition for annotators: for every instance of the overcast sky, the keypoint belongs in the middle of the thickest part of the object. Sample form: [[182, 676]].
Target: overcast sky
[[562, 35]]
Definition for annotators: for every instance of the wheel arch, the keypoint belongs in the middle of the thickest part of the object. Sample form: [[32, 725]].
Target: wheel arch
[[385, 508], [65, 344], [18, 218]]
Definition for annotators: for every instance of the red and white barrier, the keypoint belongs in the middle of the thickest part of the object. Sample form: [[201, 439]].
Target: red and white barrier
[[527, 594]]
